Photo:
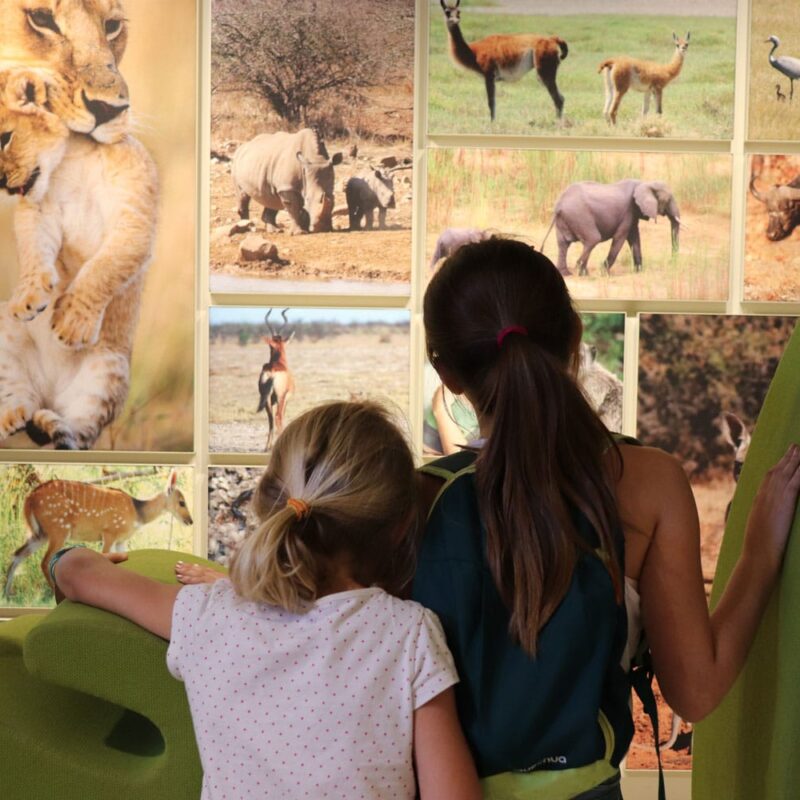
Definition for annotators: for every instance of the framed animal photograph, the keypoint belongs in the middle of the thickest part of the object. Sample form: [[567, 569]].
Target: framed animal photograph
[[772, 232], [230, 492], [269, 365], [702, 382], [582, 67], [449, 420], [312, 108], [641, 226], [114, 508], [97, 224], [772, 111]]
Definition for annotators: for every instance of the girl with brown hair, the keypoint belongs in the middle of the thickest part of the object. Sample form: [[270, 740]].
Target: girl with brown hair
[[537, 541]]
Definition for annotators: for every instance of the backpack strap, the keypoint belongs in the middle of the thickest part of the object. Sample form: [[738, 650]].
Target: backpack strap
[[642, 675], [642, 672]]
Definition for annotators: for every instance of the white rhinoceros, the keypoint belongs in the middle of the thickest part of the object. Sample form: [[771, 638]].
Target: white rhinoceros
[[290, 171]]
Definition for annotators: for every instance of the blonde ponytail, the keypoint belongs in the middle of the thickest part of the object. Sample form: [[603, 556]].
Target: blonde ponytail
[[274, 566], [339, 490]]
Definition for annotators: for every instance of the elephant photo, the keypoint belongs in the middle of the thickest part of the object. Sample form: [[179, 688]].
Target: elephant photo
[[590, 213]]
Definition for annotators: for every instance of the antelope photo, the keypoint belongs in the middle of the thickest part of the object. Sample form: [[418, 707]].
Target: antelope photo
[[276, 382], [506, 57], [58, 510], [623, 73]]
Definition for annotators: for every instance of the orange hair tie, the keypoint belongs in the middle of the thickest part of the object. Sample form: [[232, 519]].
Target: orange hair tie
[[300, 507]]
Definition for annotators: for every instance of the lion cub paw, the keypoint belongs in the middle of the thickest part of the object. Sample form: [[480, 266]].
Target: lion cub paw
[[75, 323], [31, 297], [13, 420]]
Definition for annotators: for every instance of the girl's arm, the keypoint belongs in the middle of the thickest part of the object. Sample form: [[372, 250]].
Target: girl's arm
[[697, 657], [88, 577], [444, 765]]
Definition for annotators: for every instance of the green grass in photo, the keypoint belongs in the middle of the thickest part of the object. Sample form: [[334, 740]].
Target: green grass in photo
[[29, 588], [697, 104]]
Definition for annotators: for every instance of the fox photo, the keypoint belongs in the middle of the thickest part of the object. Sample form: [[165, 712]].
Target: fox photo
[[312, 108], [97, 224], [449, 420], [639, 226], [702, 382], [44, 507], [269, 365], [634, 68], [773, 110]]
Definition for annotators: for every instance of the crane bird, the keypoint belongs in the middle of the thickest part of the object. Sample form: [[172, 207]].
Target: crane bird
[[787, 65]]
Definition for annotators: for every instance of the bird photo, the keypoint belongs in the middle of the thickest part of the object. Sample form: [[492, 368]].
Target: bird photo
[[773, 110]]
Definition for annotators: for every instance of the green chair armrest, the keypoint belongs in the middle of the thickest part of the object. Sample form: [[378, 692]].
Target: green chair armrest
[[101, 654], [14, 632]]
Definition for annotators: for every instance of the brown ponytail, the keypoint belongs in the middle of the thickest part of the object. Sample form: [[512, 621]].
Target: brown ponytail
[[545, 449]]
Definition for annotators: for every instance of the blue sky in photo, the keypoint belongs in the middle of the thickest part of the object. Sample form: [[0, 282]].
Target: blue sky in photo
[[227, 315]]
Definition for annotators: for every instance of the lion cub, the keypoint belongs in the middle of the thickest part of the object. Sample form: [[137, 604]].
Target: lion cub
[[84, 228]]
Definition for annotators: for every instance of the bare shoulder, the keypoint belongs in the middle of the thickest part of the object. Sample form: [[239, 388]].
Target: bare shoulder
[[653, 494]]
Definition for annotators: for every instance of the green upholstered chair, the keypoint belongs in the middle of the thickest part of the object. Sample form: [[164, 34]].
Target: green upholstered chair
[[88, 710]]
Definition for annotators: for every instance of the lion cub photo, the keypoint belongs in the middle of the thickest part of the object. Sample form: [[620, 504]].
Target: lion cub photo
[[84, 227]]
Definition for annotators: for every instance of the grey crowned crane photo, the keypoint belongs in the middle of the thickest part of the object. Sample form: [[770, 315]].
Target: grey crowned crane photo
[[786, 65]]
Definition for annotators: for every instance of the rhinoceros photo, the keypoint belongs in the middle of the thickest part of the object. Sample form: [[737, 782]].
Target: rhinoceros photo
[[366, 191], [290, 172]]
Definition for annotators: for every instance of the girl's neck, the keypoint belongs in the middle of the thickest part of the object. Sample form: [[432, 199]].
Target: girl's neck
[[338, 577]]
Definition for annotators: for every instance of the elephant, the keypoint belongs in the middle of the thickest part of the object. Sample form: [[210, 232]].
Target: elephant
[[590, 213]]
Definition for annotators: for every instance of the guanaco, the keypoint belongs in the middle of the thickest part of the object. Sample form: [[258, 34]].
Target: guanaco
[[58, 510], [623, 73], [507, 57], [276, 382]]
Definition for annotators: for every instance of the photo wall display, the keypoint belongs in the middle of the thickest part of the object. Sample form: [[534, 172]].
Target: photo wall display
[[111, 507], [311, 146], [267, 366], [595, 214], [97, 225]]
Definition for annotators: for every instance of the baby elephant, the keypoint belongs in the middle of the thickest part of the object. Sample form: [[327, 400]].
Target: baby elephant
[[590, 213], [451, 239], [366, 191]]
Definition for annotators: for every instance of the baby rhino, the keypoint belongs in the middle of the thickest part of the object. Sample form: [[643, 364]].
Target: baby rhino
[[366, 191]]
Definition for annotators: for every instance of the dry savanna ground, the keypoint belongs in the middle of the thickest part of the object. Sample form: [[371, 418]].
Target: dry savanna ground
[[351, 366], [360, 257], [514, 192], [771, 269]]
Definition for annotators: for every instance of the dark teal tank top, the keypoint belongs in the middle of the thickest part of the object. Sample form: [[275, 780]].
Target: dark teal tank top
[[565, 711]]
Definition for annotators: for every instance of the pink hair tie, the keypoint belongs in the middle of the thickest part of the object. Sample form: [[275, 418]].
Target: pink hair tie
[[509, 330]]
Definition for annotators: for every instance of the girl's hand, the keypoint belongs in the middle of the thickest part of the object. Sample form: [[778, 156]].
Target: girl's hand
[[772, 512]]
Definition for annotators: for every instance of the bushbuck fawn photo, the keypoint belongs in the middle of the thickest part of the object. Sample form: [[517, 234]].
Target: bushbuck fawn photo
[[61, 510]]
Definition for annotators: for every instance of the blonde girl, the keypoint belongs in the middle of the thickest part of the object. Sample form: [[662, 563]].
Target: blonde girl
[[305, 676]]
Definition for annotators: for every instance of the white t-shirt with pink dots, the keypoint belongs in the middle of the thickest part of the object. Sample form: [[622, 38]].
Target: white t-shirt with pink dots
[[313, 705]]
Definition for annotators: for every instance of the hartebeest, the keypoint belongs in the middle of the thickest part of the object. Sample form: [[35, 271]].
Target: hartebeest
[[507, 57], [623, 73], [59, 510], [276, 382]]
